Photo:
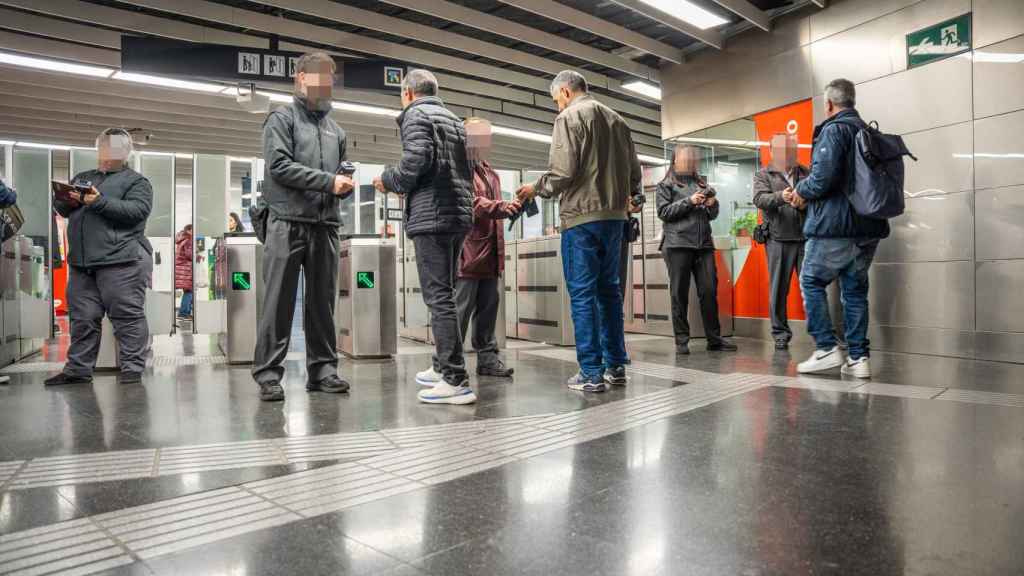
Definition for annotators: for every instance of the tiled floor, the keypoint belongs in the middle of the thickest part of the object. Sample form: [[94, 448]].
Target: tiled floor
[[710, 464]]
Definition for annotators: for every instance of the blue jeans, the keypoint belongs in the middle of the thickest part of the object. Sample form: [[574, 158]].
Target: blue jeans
[[846, 260], [185, 310], [590, 261]]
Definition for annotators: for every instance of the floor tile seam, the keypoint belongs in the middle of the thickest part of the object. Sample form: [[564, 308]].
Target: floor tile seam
[[10, 479], [117, 541]]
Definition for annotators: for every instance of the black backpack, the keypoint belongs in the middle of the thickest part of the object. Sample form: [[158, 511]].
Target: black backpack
[[878, 173]]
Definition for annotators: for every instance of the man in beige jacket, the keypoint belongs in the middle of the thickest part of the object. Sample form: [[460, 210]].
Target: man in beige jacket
[[593, 171]]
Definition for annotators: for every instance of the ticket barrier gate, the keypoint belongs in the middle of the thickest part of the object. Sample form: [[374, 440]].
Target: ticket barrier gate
[[542, 303], [366, 314], [243, 294]]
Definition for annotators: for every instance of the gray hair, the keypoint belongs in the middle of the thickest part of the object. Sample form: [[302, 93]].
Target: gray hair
[[841, 92], [122, 134], [420, 82], [571, 79]]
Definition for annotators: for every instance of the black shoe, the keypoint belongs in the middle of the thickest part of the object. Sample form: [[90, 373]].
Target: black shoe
[[616, 375], [63, 379], [723, 346], [130, 377], [782, 345], [683, 349], [497, 369], [331, 384], [271, 391]]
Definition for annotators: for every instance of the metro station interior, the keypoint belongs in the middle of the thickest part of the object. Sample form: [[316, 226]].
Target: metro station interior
[[713, 462]]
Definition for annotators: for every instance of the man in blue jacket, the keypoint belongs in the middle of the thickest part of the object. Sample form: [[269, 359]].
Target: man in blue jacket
[[7, 195], [840, 243]]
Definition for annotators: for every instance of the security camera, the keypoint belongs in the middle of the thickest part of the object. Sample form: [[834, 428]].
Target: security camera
[[250, 101]]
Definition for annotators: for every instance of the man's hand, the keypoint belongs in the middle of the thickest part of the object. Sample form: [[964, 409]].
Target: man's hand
[[710, 201], [378, 184], [634, 208], [526, 193], [697, 199], [798, 201], [87, 198], [343, 185], [787, 195], [513, 207]]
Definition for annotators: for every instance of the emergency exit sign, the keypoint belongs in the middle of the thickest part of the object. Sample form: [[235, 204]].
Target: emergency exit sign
[[364, 280], [240, 281], [939, 41]]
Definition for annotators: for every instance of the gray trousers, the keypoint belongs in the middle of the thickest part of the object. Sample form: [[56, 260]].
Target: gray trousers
[[292, 247], [437, 261], [478, 299], [783, 259], [119, 292]]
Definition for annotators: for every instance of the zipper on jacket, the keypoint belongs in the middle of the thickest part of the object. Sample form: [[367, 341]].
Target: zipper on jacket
[[320, 148]]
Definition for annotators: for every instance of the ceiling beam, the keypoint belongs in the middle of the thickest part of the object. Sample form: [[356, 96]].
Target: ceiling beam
[[709, 37], [483, 21], [820, 3], [136, 21], [34, 46], [599, 26], [748, 12]]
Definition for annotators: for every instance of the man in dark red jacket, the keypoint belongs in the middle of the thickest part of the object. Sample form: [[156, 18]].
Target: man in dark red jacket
[[482, 261]]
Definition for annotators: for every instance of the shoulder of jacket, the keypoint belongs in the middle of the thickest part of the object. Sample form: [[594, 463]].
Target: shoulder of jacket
[[281, 114]]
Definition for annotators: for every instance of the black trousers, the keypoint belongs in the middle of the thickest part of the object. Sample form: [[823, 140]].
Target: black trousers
[[783, 259], [683, 263], [292, 248], [437, 261], [478, 299]]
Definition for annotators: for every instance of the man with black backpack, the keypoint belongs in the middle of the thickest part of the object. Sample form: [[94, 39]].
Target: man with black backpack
[[841, 243]]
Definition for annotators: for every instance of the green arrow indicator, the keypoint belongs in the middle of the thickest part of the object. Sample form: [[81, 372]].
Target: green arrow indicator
[[240, 281], [364, 279]]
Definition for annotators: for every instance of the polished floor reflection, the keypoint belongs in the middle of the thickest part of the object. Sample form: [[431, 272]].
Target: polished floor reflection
[[711, 464]]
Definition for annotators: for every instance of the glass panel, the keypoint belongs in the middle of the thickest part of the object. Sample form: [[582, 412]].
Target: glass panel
[[240, 190], [211, 213], [32, 179], [729, 161], [533, 226], [9, 268], [82, 160], [182, 218], [371, 205], [510, 180], [159, 169]]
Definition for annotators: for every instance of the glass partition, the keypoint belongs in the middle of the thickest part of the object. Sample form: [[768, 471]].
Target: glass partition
[[510, 182], [211, 200], [371, 206], [31, 175], [159, 169], [9, 317], [729, 159]]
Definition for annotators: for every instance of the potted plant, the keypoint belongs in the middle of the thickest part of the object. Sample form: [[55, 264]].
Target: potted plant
[[743, 226]]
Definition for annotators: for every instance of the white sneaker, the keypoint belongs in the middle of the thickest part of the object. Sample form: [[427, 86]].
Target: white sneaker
[[821, 361], [4, 379], [428, 377], [859, 368], [445, 393]]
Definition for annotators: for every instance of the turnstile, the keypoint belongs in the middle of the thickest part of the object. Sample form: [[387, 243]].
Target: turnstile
[[366, 316], [243, 295], [542, 303], [417, 318]]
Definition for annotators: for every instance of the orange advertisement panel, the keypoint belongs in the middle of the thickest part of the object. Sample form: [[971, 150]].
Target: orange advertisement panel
[[752, 284]]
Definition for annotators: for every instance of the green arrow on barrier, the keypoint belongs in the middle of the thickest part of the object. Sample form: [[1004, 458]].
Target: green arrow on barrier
[[364, 279]]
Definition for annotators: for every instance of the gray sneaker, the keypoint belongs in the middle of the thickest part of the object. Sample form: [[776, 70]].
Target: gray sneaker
[[582, 384]]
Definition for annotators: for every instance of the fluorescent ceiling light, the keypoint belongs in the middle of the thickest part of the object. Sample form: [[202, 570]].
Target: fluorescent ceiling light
[[364, 109], [54, 65], [37, 145], [274, 96], [6, 142], [168, 82], [651, 159], [522, 134], [183, 155], [688, 12], [640, 87]]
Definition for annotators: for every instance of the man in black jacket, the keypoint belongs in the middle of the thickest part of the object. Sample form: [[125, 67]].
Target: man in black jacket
[[109, 261], [772, 194], [303, 148], [435, 176]]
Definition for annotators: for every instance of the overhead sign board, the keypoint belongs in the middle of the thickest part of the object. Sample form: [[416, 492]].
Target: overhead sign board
[[191, 60], [939, 41]]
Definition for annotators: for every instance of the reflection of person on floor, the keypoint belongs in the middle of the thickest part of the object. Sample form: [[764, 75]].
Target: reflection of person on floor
[[772, 194], [477, 290], [183, 270], [303, 148], [110, 261], [687, 205]]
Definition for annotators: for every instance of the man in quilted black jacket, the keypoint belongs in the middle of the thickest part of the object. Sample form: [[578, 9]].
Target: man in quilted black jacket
[[435, 176]]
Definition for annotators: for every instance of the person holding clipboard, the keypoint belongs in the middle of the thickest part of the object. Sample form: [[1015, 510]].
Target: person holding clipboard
[[109, 259]]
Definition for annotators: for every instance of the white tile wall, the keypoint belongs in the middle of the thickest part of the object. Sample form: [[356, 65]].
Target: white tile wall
[[999, 151], [997, 20], [1000, 217], [999, 78], [933, 229], [938, 94], [944, 163], [845, 14]]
